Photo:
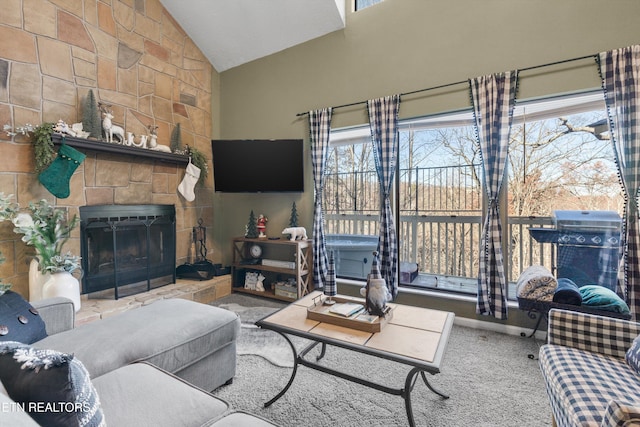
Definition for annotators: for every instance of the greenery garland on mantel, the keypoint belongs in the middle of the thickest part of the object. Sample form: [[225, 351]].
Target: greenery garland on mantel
[[43, 146]]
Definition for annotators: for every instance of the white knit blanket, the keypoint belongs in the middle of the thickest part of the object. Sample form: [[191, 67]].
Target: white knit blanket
[[536, 283]]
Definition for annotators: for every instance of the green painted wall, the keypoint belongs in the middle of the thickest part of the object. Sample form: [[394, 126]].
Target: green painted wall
[[401, 46]]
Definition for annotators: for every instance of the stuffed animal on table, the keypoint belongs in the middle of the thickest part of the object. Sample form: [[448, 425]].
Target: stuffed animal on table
[[375, 292]]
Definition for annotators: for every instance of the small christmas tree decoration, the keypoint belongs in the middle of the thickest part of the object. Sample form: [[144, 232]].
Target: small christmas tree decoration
[[252, 227], [57, 176], [176, 138], [91, 121], [293, 220]]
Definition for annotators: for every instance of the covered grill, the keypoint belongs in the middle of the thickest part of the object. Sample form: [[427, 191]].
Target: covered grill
[[588, 246]]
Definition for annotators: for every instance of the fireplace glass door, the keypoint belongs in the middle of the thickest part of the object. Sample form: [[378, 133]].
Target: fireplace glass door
[[127, 249]]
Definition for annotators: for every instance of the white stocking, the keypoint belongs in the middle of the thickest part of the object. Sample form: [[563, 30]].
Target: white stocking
[[191, 176]]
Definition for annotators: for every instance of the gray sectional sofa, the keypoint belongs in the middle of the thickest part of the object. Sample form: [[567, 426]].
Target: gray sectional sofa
[[150, 366]]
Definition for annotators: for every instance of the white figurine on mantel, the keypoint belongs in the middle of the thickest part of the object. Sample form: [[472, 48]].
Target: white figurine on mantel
[[62, 127], [142, 143], [112, 130], [163, 148], [153, 140], [79, 131]]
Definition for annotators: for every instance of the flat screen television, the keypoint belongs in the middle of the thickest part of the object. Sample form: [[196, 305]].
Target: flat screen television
[[258, 165]]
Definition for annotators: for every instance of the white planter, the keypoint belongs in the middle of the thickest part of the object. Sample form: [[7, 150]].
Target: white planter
[[62, 285], [36, 281]]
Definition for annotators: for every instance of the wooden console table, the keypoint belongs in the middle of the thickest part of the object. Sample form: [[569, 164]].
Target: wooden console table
[[288, 259]]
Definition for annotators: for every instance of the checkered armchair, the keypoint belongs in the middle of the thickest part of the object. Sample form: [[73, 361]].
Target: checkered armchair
[[588, 379]]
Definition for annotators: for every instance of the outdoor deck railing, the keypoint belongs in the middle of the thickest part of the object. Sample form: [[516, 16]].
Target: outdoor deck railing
[[449, 245]]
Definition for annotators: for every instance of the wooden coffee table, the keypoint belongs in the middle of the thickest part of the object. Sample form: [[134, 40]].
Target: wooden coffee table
[[414, 336]]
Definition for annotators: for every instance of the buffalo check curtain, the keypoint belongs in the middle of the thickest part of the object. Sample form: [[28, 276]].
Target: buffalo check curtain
[[319, 129], [620, 72], [493, 100], [383, 121]]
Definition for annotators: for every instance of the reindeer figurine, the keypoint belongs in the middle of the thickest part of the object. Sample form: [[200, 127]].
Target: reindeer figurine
[[153, 131], [110, 129]]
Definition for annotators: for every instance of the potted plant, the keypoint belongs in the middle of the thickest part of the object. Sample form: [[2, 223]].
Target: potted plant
[[47, 229]]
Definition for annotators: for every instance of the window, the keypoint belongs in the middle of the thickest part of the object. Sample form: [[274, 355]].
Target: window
[[361, 4], [351, 203], [558, 160]]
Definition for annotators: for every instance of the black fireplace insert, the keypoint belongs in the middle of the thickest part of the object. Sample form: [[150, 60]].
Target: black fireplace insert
[[127, 249]]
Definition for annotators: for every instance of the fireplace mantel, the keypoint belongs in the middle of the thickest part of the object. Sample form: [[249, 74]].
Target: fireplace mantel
[[94, 145]]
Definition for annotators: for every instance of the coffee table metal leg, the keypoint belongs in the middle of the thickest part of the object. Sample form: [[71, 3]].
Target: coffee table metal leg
[[408, 386], [409, 383], [322, 352], [436, 391], [293, 373]]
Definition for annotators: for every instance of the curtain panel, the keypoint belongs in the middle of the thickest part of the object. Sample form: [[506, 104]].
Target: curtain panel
[[383, 121], [493, 99], [319, 131], [620, 72]]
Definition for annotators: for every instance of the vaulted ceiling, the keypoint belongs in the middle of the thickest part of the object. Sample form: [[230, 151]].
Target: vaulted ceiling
[[234, 32]]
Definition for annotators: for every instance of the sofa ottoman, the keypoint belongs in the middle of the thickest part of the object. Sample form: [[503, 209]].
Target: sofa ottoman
[[196, 342]]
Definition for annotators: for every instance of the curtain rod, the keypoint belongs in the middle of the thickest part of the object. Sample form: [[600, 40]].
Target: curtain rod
[[462, 81]]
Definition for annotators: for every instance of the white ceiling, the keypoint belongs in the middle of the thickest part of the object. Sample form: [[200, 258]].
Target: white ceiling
[[234, 32]]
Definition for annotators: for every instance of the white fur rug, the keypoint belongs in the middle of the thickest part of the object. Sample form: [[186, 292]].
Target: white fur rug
[[258, 342]]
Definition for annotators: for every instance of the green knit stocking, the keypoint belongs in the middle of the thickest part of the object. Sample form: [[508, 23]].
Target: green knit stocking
[[56, 177]]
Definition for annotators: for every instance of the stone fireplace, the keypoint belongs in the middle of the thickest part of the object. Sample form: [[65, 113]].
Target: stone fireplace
[[135, 58], [127, 249]]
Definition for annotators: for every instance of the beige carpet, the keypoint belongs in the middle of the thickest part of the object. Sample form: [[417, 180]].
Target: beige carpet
[[488, 375]]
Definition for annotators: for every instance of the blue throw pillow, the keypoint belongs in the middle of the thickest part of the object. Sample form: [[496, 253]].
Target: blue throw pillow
[[54, 388], [602, 298], [633, 355], [19, 321]]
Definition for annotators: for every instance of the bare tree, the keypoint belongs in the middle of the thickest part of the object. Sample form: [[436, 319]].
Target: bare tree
[[542, 157]]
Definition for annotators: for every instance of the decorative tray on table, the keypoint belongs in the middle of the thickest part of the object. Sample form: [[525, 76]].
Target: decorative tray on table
[[347, 312]]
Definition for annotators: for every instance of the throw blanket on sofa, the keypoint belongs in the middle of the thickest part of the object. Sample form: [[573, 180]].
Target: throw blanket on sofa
[[536, 283]]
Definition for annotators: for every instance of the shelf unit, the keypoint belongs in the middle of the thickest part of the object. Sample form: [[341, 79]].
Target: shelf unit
[[277, 250]]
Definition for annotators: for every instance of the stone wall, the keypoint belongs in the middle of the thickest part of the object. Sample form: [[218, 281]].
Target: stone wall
[[136, 58]]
